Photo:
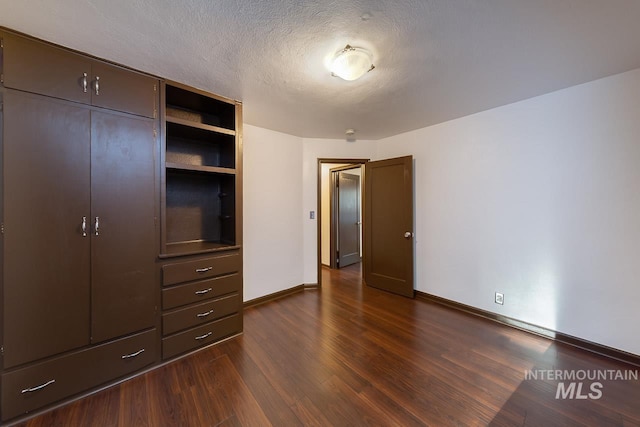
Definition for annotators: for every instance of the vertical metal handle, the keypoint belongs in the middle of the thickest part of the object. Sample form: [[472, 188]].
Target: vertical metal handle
[[97, 226], [97, 85], [84, 226], [84, 82]]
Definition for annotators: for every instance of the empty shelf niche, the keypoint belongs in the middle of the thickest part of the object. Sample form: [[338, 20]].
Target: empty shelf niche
[[200, 209]]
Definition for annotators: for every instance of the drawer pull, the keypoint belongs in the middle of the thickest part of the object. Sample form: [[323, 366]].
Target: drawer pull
[[203, 270], [40, 387], [201, 337], [84, 82], [204, 291], [137, 353], [204, 314]]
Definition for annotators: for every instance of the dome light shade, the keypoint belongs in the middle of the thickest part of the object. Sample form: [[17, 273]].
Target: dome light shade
[[351, 63]]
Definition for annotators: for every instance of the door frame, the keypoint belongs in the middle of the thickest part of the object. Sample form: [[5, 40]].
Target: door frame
[[322, 161], [333, 197]]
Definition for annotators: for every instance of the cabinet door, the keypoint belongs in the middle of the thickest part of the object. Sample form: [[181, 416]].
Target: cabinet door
[[123, 90], [46, 258], [123, 245], [40, 68]]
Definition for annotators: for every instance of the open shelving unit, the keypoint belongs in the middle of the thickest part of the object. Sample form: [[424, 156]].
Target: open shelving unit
[[202, 164]]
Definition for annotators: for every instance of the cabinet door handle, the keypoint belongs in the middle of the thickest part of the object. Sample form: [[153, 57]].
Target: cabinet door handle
[[97, 226], [201, 337], [40, 387], [84, 226], [84, 82], [137, 353], [201, 315], [204, 291], [203, 270], [97, 85]]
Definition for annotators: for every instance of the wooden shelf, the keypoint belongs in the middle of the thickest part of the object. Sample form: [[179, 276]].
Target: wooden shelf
[[198, 168], [195, 247], [201, 172], [201, 126]]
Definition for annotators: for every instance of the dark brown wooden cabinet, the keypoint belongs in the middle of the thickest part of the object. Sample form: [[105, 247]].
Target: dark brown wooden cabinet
[[46, 196], [120, 223], [39, 384], [119, 89], [80, 230], [123, 230], [201, 301], [37, 67], [202, 211], [202, 171], [79, 222]]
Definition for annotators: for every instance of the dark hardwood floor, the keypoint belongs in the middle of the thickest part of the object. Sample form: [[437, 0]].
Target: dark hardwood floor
[[349, 355]]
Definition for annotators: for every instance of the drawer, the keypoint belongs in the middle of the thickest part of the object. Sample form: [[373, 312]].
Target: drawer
[[200, 313], [201, 268], [200, 291], [38, 385], [201, 336]]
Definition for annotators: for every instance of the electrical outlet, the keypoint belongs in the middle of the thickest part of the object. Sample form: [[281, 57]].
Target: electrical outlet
[[499, 298]]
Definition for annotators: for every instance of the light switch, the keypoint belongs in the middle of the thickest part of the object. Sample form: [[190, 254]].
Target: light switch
[[312, 215]]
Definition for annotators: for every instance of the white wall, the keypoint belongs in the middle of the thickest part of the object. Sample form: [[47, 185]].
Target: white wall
[[273, 253], [312, 150], [539, 200]]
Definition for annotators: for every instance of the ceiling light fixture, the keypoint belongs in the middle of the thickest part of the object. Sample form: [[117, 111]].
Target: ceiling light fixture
[[351, 63]]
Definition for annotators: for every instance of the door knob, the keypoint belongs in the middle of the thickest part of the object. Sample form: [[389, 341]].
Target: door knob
[[407, 234]]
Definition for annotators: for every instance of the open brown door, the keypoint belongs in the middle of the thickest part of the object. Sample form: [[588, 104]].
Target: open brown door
[[388, 225], [348, 216]]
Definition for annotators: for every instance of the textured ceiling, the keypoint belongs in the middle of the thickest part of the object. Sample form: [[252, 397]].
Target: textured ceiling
[[435, 59]]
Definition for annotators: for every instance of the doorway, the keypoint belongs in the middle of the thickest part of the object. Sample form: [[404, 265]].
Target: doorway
[[388, 252], [324, 231]]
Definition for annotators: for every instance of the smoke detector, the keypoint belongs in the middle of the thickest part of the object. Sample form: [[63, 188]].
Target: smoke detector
[[351, 135]]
